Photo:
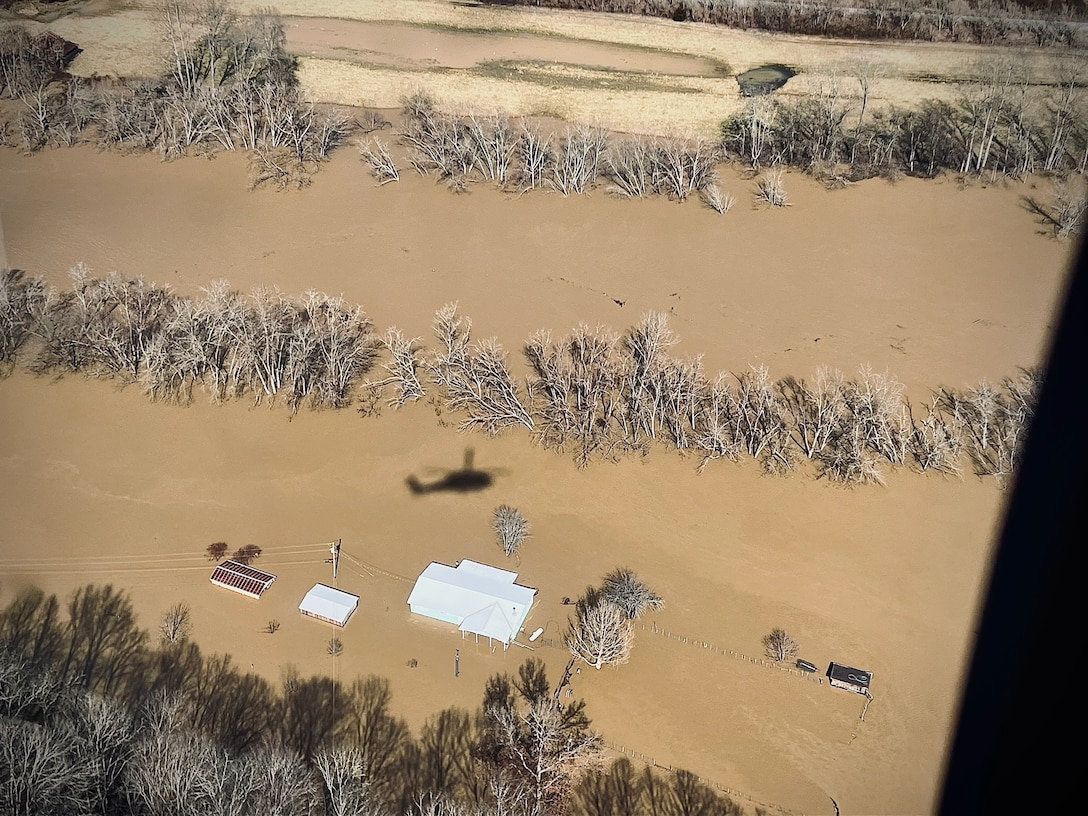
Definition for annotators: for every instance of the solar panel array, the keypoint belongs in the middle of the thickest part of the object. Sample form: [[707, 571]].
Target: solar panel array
[[242, 578]]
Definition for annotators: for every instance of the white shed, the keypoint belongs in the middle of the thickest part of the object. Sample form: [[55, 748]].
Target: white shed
[[330, 605], [479, 599]]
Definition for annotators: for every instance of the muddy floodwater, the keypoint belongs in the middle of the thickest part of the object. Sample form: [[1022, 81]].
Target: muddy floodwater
[[937, 284]]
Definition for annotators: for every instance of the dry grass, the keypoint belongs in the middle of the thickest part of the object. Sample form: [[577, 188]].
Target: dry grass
[[125, 43]]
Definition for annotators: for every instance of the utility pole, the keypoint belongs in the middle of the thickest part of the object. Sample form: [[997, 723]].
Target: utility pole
[[335, 560]]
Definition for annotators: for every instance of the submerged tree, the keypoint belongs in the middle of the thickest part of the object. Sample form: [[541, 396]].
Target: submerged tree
[[176, 623], [630, 593], [779, 646], [600, 632], [511, 528]]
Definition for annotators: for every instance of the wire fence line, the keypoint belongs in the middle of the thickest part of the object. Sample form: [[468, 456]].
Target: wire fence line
[[731, 792], [710, 648], [699, 643]]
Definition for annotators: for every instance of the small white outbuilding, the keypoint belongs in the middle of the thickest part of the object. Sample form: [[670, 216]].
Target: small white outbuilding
[[479, 599], [328, 604]]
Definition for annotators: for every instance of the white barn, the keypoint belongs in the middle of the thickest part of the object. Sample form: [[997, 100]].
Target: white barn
[[479, 599], [330, 605]]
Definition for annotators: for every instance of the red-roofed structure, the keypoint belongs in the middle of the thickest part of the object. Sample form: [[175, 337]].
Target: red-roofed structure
[[242, 578]]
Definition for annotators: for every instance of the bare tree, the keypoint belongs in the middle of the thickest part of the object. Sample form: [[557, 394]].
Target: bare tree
[[534, 748], [599, 633], [439, 141], [866, 72], [29, 689], [994, 421], [623, 588], [779, 646], [23, 300], [331, 346], [757, 420], [717, 200], [176, 623], [169, 772], [382, 165], [875, 405], [216, 550], [39, 773], [771, 189], [510, 527], [680, 169], [372, 120], [935, 441], [286, 784], [646, 345], [715, 437], [474, 376], [496, 147], [197, 345], [105, 731], [816, 410], [1064, 213], [751, 135], [403, 366], [574, 389], [104, 326], [849, 459], [629, 166], [261, 350], [537, 158], [578, 160], [347, 789]]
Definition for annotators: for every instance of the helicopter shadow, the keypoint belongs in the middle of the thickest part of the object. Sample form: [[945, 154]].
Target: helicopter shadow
[[466, 479]]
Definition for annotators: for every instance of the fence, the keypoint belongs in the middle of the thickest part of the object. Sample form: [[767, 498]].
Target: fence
[[710, 648], [698, 643]]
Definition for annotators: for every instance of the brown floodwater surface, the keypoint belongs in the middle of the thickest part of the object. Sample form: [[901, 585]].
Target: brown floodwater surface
[[938, 284]]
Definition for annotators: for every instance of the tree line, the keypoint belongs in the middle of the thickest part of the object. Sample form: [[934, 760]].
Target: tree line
[[227, 84], [988, 22], [593, 393], [96, 718], [518, 155], [1001, 125]]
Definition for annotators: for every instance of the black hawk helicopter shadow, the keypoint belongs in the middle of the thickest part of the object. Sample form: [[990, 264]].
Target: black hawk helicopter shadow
[[466, 479]]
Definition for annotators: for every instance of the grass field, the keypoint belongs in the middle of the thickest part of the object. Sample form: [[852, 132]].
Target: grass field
[[120, 38]]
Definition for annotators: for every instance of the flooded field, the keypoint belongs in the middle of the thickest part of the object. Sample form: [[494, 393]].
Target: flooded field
[[102, 485], [936, 282]]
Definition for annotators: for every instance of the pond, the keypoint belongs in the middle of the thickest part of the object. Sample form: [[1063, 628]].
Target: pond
[[764, 80]]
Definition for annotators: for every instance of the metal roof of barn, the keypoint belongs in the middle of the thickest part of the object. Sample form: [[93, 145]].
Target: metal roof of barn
[[848, 674], [242, 578], [329, 603]]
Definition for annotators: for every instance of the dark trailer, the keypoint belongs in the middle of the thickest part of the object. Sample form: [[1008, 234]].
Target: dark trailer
[[849, 678]]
